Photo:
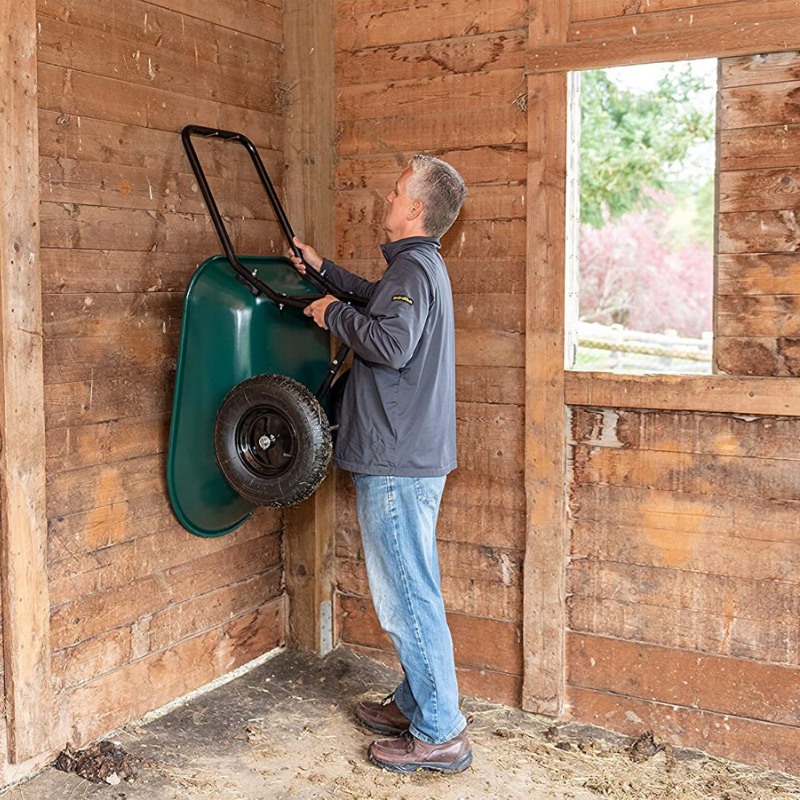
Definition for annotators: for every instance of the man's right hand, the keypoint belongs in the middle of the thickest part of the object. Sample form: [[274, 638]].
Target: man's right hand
[[309, 254]]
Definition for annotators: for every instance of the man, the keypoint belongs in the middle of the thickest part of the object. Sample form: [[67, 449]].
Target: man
[[397, 435]]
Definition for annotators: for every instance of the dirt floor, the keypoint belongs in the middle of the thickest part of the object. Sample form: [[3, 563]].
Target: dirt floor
[[286, 730]]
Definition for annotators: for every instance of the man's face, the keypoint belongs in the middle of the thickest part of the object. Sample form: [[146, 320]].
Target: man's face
[[400, 207]]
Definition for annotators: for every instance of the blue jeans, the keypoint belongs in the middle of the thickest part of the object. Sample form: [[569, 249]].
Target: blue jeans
[[397, 517]]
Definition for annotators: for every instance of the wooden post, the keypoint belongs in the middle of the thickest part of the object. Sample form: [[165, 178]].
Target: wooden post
[[309, 146], [544, 612], [544, 618], [26, 606]]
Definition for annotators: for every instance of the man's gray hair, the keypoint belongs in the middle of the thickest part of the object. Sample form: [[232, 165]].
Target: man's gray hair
[[441, 190]]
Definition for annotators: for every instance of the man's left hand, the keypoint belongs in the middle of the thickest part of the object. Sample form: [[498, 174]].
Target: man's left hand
[[318, 308]]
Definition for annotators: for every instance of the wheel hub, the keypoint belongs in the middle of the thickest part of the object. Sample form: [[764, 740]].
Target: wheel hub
[[266, 441]]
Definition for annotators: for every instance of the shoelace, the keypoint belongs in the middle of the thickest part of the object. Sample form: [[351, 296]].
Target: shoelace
[[410, 741], [388, 699]]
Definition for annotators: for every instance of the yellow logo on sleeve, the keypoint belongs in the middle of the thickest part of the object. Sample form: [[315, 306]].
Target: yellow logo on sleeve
[[404, 299]]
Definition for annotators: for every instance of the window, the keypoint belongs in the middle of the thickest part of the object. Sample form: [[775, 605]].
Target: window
[[640, 237]]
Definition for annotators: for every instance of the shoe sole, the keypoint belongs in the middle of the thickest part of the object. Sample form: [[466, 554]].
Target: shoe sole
[[377, 728], [459, 765]]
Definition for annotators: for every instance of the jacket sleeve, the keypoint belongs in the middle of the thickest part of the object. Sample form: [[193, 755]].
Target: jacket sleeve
[[345, 281], [388, 335]]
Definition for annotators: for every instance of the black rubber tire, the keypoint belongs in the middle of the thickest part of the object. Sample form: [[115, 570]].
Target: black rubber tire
[[280, 403]]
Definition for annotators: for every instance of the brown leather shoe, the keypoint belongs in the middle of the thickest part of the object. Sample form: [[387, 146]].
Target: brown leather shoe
[[409, 754], [383, 717]]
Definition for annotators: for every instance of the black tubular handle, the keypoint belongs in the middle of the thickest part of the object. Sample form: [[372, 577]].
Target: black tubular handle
[[312, 275]]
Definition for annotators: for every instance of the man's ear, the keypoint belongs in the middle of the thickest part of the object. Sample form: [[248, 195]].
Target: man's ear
[[416, 210]]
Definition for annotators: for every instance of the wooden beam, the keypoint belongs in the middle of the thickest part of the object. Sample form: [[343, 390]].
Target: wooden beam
[[310, 135], [729, 394], [26, 606], [544, 618], [711, 42]]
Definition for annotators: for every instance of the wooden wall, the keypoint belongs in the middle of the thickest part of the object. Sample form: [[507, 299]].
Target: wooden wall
[[685, 531], [142, 611], [672, 577], [758, 293], [447, 79]]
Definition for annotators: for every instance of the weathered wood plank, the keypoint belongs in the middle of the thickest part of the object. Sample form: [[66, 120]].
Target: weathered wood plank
[[244, 16], [414, 60], [582, 10], [734, 394], [760, 190], [764, 356], [66, 44], [99, 184], [107, 702], [169, 31], [23, 525], [545, 456], [712, 683], [676, 45], [492, 164], [445, 94], [490, 385], [758, 274], [65, 225], [682, 590], [761, 68], [94, 657], [95, 271], [94, 487], [122, 597], [637, 543], [682, 432], [739, 739], [83, 95], [719, 632], [683, 512], [71, 315], [214, 608], [760, 105], [675, 20], [71, 136], [67, 360], [770, 147], [760, 315], [759, 232], [698, 473], [436, 20], [461, 129], [117, 439], [477, 642]]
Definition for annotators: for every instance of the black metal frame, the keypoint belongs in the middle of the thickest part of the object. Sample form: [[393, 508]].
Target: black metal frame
[[250, 278]]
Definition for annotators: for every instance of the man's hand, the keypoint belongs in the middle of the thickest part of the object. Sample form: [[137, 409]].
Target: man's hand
[[309, 254], [318, 308]]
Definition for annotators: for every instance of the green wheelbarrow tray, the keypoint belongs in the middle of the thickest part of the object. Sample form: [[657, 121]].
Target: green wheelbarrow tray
[[229, 334], [243, 321]]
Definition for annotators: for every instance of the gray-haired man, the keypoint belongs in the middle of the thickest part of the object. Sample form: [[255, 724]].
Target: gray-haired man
[[397, 435]]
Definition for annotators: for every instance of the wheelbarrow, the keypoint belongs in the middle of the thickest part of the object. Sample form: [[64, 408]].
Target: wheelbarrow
[[251, 415]]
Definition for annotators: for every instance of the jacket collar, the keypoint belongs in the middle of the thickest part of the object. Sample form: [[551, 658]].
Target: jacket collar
[[391, 250]]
